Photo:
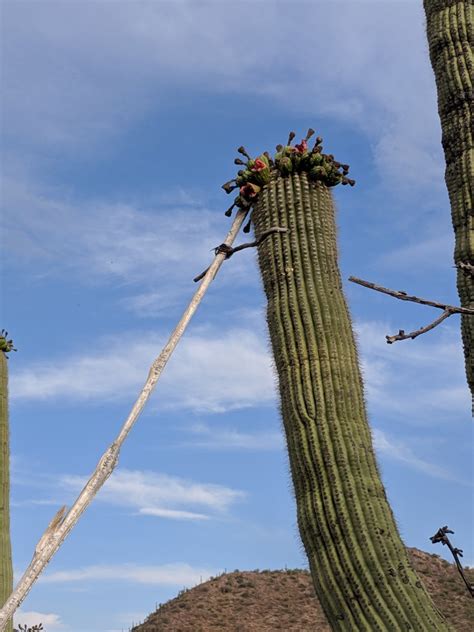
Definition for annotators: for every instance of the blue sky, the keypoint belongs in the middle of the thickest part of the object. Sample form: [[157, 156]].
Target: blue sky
[[120, 122]]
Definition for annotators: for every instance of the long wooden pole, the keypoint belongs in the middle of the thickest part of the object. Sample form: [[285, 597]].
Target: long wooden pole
[[62, 523]]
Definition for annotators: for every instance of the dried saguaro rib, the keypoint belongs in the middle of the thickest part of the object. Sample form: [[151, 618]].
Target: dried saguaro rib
[[450, 32], [359, 565], [62, 523]]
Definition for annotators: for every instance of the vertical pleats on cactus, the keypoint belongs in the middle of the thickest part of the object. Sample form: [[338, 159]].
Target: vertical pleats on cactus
[[450, 31], [359, 565], [6, 566]]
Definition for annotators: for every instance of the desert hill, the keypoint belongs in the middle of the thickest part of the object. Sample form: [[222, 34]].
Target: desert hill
[[265, 601]]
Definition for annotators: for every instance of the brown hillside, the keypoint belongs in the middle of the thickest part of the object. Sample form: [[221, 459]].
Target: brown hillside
[[264, 601]]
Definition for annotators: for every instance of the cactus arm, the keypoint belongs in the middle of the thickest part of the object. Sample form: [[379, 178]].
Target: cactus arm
[[6, 567], [450, 33]]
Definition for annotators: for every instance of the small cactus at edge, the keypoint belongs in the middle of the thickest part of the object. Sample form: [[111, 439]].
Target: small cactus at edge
[[6, 566], [359, 564]]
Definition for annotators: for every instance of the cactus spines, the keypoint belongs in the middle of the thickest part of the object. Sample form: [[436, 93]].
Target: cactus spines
[[359, 565], [450, 32], [6, 566]]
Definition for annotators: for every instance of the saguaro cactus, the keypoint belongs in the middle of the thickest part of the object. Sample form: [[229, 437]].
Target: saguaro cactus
[[450, 31], [359, 565], [6, 566]]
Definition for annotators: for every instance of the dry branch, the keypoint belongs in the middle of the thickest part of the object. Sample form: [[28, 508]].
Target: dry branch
[[448, 310], [63, 523], [441, 536]]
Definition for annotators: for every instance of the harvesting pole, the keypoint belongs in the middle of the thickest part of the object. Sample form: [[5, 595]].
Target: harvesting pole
[[64, 521]]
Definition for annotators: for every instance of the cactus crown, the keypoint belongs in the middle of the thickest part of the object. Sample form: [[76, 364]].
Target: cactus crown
[[288, 159], [5, 345]]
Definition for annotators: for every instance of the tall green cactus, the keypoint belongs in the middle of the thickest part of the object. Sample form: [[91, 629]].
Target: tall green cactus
[[450, 31], [359, 565], [6, 566]]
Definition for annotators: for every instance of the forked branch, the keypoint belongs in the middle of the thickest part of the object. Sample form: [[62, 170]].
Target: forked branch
[[448, 310]]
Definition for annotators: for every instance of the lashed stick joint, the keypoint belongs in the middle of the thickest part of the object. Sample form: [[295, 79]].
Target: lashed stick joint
[[228, 251]]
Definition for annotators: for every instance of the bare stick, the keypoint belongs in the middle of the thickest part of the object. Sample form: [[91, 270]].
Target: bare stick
[[62, 524], [448, 310], [413, 334], [228, 251]]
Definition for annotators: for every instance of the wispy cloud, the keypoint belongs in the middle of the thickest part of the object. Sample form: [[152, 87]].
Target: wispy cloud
[[161, 495], [385, 89], [194, 379], [232, 439], [178, 574], [399, 451], [30, 618], [151, 249], [420, 381], [426, 254], [102, 239]]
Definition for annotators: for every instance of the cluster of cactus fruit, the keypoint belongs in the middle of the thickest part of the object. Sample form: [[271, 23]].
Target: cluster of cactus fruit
[[6, 345], [289, 159]]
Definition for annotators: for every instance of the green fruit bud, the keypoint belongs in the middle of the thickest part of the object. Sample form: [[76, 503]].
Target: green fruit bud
[[315, 160], [285, 166], [333, 179], [317, 173]]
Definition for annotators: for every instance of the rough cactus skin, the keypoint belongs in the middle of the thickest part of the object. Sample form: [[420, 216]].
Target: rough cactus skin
[[359, 565], [450, 31], [6, 568]]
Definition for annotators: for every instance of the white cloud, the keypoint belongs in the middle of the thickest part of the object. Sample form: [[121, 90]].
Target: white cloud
[[104, 239], [212, 371], [160, 495], [234, 439], [174, 514], [178, 574], [157, 248], [399, 451], [29, 618], [362, 73]]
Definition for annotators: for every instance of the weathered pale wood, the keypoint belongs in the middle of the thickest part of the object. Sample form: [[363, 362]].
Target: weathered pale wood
[[63, 522]]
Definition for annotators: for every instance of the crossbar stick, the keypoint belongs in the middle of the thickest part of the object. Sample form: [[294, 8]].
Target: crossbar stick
[[62, 523]]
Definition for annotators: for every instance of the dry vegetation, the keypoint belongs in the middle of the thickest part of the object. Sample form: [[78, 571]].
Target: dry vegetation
[[265, 601]]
